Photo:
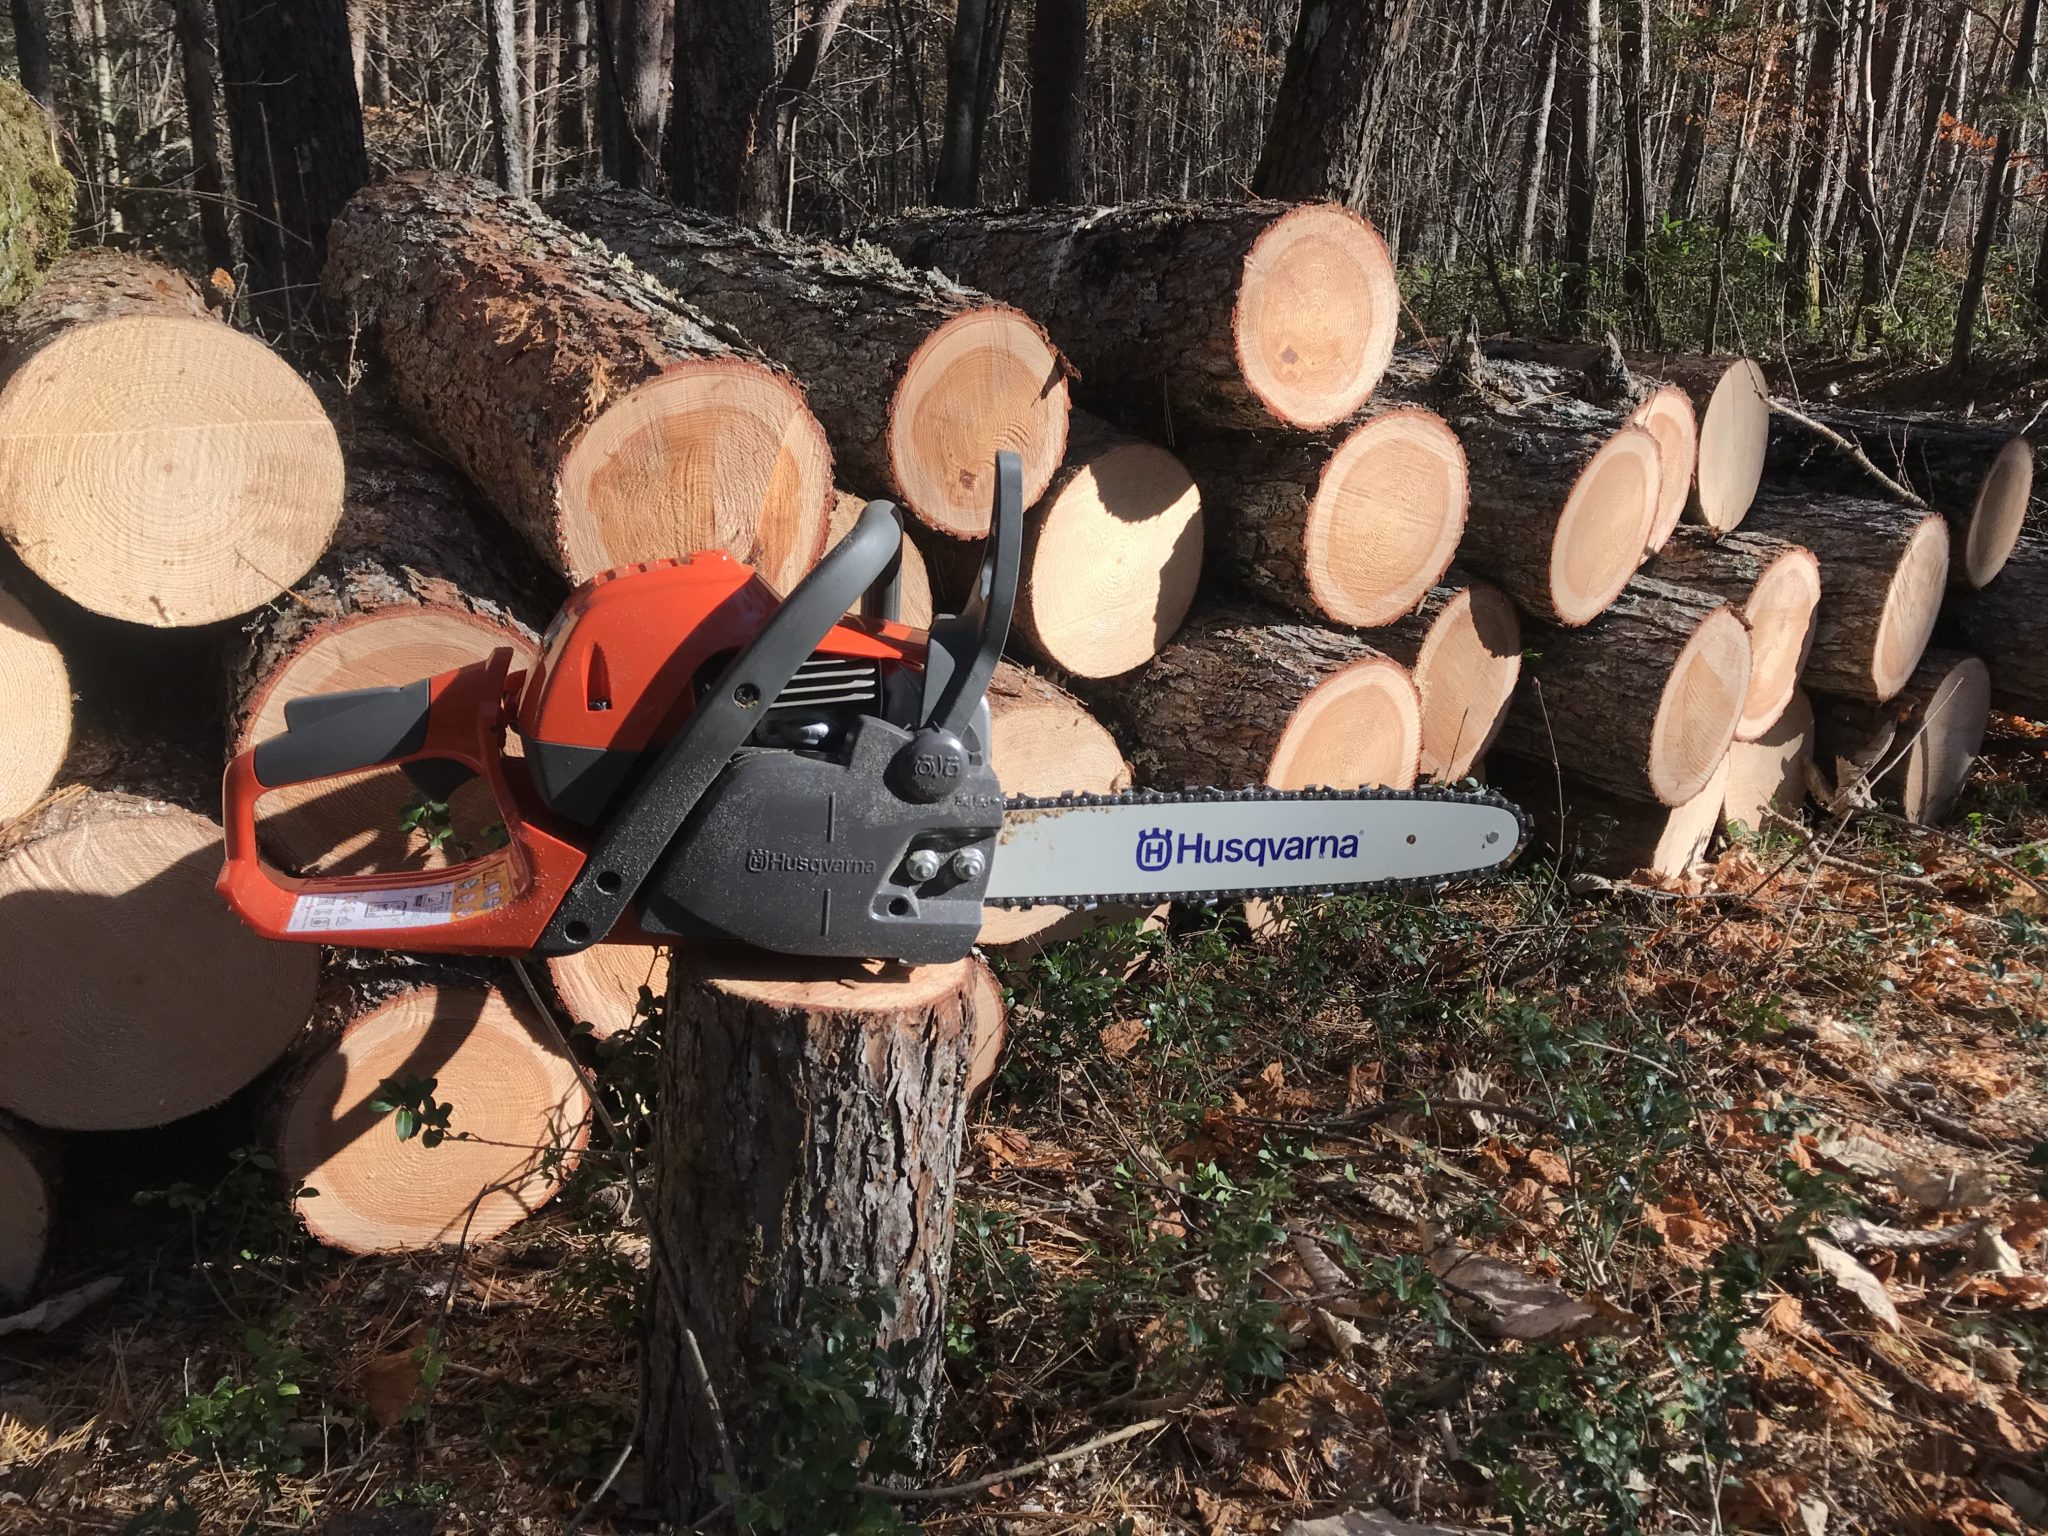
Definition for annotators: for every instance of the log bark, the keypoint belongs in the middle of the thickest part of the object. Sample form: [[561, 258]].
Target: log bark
[[1352, 527], [1775, 586], [1622, 838], [35, 192], [2003, 624], [1183, 317], [917, 381], [135, 996], [1463, 647], [1770, 773], [411, 586], [1882, 571], [156, 465], [1922, 744], [808, 1145], [1644, 702], [35, 709], [518, 1116], [28, 1180], [606, 420], [1249, 696]]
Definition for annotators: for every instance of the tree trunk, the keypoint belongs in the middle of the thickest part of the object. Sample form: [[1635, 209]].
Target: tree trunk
[[583, 399], [518, 1114], [1353, 527], [508, 121], [1581, 58], [135, 997], [1938, 93], [917, 381], [32, 53], [1775, 586], [230, 471], [39, 197], [1463, 647], [1996, 190], [1920, 746], [1770, 773], [199, 64], [956, 185], [1635, 162], [297, 131], [1642, 703], [35, 709], [28, 1187], [1334, 100], [1248, 696], [721, 151], [2003, 625], [572, 119], [1221, 316], [1535, 153], [1057, 173], [1824, 117], [809, 1140], [1882, 570]]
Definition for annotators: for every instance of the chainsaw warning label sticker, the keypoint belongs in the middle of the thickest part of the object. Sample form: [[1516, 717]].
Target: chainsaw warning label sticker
[[412, 906]]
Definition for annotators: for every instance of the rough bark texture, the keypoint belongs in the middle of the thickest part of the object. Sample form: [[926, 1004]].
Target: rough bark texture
[[1727, 567], [1142, 299], [199, 69], [2007, 624], [1057, 170], [507, 337], [720, 151], [32, 52], [1731, 567], [1342, 63], [809, 1140], [35, 195]]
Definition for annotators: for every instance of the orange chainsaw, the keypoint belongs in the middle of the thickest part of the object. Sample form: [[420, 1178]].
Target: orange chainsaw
[[701, 760]]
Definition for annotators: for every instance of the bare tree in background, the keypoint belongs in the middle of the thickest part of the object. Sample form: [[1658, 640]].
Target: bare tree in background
[[1635, 164], [634, 39], [715, 155], [200, 66], [1580, 55], [1996, 189], [1334, 98], [1822, 119], [508, 125], [1059, 70], [973, 60], [1536, 148], [32, 52]]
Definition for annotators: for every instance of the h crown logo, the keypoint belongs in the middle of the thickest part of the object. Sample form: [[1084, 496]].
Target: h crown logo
[[758, 860], [1155, 849]]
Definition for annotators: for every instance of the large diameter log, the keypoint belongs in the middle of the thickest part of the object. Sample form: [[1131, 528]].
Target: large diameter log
[[1883, 569], [35, 191], [1922, 744], [808, 1145], [608, 986], [1245, 696], [2004, 624], [1771, 773], [1463, 647], [1353, 527], [604, 418], [518, 1118], [914, 579], [1613, 835], [35, 709], [1045, 743], [1642, 703], [156, 465], [26, 1190], [1187, 316], [1775, 586], [411, 586], [135, 997], [918, 382]]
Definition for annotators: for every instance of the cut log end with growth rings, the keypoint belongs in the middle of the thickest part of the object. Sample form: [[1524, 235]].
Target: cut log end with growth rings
[[1998, 515], [1775, 586], [1734, 432], [604, 986], [1668, 416], [1921, 744], [1318, 312], [1770, 773], [25, 1199], [1464, 650], [35, 706], [518, 1116]]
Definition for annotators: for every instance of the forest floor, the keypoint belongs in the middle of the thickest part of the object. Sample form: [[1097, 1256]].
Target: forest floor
[[1544, 1206]]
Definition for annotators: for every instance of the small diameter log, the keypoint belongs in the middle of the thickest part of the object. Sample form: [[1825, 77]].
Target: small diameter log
[[1978, 475], [1923, 743], [27, 1188], [2005, 625], [1183, 317], [1668, 414], [157, 465], [808, 1144], [1245, 696], [990, 1029], [36, 192], [1883, 569], [1112, 555], [915, 574], [519, 1114], [1463, 647], [917, 381], [1775, 586], [412, 585], [1770, 773], [1642, 703], [604, 418], [602, 986], [1353, 527], [135, 997], [1046, 742], [35, 709], [1614, 835]]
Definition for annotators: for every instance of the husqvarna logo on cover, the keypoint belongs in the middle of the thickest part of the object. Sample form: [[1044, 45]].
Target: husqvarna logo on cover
[[764, 861], [1155, 849], [1159, 849]]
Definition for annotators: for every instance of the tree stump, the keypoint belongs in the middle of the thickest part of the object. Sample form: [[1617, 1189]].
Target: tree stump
[[27, 1189], [1770, 773], [2004, 625], [135, 997], [519, 1114], [809, 1140], [1775, 586], [1883, 569], [1463, 647], [35, 709], [1924, 741], [1353, 527], [602, 417], [1642, 703], [1223, 316], [157, 465], [917, 381]]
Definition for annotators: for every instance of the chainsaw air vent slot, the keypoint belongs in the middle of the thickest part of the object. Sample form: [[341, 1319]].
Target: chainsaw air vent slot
[[597, 681], [833, 680]]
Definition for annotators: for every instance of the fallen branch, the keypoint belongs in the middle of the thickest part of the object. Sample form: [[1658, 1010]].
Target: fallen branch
[[1852, 451], [983, 1484]]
